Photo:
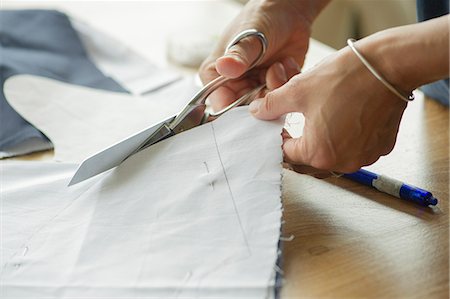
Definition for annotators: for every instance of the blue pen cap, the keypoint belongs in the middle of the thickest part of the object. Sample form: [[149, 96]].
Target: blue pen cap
[[417, 195]]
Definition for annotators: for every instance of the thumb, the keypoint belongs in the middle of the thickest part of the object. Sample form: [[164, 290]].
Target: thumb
[[275, 104], [237, 60]]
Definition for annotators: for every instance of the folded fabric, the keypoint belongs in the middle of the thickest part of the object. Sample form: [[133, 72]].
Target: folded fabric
[[41, 42]]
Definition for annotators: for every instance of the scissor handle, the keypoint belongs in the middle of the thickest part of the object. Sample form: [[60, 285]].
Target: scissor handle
[[203, 93], [247, 33], [201, 96], [242, 100]]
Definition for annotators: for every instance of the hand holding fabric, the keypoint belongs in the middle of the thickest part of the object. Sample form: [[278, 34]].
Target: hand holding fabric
[[351, 119]]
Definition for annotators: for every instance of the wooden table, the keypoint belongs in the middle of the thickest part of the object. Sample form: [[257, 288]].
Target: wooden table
[[349, 240], [354, 242]]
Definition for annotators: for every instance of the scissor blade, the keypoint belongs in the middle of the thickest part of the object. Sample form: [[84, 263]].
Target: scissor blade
[[117, 153], [191, 117]]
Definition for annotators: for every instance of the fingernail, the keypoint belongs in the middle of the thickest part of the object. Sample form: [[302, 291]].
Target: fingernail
[[254, 106], [280, 71], [234, 56], [292, 64]]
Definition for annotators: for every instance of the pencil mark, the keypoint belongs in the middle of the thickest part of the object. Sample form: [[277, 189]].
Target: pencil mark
[[43, 227], [211, 183], [229, 189], [206, 166], [186, 279]]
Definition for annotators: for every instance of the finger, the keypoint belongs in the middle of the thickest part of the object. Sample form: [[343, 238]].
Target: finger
[[276, 76], [291, 67], [285, 134], [207, 71], [309, 170], [239, 57], [221, 98], [230, 92], [274, 104]]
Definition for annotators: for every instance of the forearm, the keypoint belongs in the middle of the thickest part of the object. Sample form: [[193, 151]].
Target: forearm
[[308, 9], [411, 56]]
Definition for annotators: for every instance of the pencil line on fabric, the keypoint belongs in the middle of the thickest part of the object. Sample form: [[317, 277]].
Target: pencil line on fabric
[[229, 189]]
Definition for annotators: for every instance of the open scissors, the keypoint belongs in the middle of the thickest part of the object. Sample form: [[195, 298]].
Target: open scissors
[[193, 114]]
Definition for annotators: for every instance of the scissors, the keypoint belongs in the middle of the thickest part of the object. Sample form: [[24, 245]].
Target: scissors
[[194, 114]]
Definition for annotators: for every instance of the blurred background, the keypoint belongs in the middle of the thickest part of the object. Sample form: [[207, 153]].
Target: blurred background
[[176, 36], [342, 19]]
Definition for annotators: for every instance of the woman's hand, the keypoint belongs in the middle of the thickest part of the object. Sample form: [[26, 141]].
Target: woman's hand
[[351, 119], [286, 25]]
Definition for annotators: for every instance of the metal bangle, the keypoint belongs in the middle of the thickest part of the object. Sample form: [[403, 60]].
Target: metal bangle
[[406, 98]]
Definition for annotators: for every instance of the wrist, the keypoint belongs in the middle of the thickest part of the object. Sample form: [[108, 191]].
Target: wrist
[[409, 56], [385, 54], [376, 74]]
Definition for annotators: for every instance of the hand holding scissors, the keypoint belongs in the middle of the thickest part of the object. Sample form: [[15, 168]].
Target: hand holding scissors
[[193, 114]]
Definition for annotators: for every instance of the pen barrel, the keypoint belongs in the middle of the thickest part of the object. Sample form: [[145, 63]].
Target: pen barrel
[[393, 187], [388, 185], [406, 192]]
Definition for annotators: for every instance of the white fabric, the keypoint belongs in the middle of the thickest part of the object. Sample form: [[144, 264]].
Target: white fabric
[[32, 193], [194, 216], [81, 121]]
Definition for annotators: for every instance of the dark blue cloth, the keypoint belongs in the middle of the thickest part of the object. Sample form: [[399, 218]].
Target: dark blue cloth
[[44, 43], [428, 9]]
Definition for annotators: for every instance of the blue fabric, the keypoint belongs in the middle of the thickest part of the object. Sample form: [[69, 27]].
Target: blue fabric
[[428, 9], [44, 43]]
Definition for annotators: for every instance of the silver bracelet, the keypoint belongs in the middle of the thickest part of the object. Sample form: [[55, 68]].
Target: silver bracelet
[[377, 75]]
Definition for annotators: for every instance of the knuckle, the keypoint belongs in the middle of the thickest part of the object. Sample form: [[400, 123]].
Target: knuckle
[[268, 104], [240, 50], [388, 148], [293, 93], [207, 71]]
